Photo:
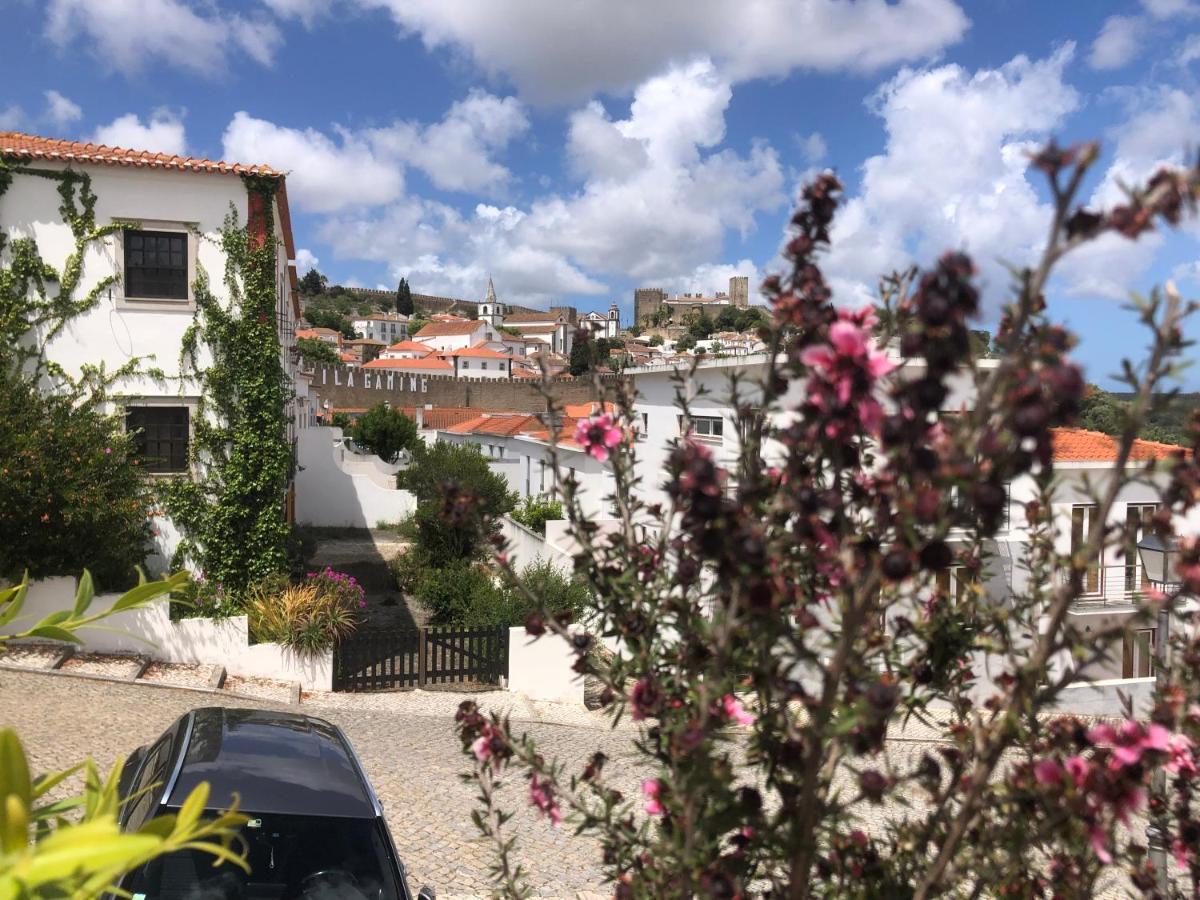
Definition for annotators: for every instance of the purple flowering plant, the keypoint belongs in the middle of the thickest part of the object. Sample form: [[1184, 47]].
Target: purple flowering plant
[[341, 585], [781, 615]]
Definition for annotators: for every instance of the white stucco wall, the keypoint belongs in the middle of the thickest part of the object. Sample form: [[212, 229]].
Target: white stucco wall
[[329, 495], [526, 546], [541, 669], [151, 632]]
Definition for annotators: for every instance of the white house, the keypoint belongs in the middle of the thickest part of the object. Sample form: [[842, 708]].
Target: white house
[[406, 349], [427, 365], [452, 333], [601, 325], [175, 208], [479, 361], [386, 327]]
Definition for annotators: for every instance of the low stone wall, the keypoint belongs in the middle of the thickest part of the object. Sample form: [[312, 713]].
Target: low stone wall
[[151, 632], [526, 546], [541, 669]]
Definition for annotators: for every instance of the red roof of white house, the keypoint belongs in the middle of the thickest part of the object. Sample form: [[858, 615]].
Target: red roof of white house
[[476, 351], [427, 362], [15, 144], [504, 424], [411, 347], [447, 329], [1081, 445]]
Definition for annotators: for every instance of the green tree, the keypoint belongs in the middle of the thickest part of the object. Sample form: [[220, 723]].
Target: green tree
[[71, 487], [582, 357], [1101, 411], [404, 299], [328, 318], [313, 283], [687, 342], [385, 431], [315, 350]]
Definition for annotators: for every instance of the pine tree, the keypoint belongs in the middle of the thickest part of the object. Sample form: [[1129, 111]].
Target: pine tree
[[404, 300]]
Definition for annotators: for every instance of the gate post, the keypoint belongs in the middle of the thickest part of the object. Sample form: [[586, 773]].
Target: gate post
[[421, 661]]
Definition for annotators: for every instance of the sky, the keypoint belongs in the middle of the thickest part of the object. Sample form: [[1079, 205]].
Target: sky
[[576, 149]]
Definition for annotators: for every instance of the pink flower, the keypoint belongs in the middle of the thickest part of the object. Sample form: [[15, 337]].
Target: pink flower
[[1100, 844], [735, 711], [541, 795], [1130, 741], [1047, 772], [651, 790], [1182, 852], [842, 375], [1182, 762], [598, 435], [482, 748], [1077, 767], [108, 449]]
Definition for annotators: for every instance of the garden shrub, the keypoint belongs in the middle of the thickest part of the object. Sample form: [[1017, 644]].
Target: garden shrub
[[460, 593], [71, 491], [534, 512], [463, 466], [308, 617], [385, 431]]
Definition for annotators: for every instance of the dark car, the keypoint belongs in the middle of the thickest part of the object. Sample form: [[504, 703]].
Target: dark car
[[315, 829]]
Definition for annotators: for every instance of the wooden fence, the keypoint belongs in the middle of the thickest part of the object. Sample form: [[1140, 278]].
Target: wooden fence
[[385, 659]]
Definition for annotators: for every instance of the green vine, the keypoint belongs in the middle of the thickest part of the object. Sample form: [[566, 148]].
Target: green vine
[[233, 519]]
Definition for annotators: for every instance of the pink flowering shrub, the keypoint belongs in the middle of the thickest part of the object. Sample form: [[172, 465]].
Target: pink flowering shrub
[[781, 615], [340, 585]]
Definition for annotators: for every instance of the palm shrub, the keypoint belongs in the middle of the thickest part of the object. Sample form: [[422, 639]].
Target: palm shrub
[[309, 617], [787, 612]]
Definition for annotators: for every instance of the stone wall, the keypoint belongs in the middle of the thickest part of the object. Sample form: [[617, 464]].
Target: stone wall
[[351, 388]]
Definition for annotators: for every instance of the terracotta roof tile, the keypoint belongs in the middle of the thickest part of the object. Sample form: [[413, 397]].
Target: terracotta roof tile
[[411, 346], [442, 417], [502, 424], [447, 329], [1081, 445], [30, 146], [424, 363], [537, 315], [477, 351]]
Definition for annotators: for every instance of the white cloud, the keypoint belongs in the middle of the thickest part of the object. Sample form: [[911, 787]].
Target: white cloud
[[456, 153], [564, 52], [1118, 43], [656, 201], [953, 175], [708, 278], [812, 147], [307, 11], [323, 175], [60, 111], [305, 260], [163, 133], [12, 118], [131, 35]]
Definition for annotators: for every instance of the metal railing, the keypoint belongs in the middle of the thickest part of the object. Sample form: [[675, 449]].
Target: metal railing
[[1124, 584]]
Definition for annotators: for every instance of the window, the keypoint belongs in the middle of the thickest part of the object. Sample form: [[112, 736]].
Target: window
[[1138, 659], [156, 265], [707, 428], [953, 583], [1083, 525], [160, 436], [1138, 521], [483, 365], [466, 364]]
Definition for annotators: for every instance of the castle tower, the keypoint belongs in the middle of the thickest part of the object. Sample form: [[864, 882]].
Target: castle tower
[[491, 310], [739, 291], [646, 302]]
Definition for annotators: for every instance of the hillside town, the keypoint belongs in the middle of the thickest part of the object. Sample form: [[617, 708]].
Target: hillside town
[[694, 518]]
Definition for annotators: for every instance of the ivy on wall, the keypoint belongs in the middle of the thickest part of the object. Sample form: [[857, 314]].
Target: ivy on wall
[[233, 518]]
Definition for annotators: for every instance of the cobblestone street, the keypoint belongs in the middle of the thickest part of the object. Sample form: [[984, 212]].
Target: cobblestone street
[[413, 760]]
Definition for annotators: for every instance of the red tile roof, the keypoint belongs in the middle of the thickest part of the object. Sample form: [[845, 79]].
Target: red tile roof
[[477, 351], [537, 315], [504, 424], [532, 329], [17, 145], [424, 363], [411, 346], [30, 146], [442, 417], [1081, 445], [446, 329]]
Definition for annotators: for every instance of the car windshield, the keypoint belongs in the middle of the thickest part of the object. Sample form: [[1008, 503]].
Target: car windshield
[[290, 857]]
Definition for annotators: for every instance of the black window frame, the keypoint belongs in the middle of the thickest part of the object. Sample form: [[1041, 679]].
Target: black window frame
[[714, 424], [149, 444], [156, 281]]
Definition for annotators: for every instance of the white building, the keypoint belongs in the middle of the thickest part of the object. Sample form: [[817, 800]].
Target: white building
[[456, 334], [479, 361], [406, 349], [427, 365], [601, 325], [176, 208], [386, 327]]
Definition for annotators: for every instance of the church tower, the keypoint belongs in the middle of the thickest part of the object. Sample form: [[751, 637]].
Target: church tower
[[491, 310]]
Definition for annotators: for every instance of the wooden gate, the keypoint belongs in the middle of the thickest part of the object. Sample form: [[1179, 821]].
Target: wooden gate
[[388, 659]]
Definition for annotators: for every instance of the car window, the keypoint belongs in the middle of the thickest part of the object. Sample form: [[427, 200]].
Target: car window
[[290, 858], [152, 775]]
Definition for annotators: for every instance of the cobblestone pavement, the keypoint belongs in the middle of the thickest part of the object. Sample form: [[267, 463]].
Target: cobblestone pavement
[[413, 760]]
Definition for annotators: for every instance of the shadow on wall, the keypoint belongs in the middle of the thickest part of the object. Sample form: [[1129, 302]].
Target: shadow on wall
[[338, 489]]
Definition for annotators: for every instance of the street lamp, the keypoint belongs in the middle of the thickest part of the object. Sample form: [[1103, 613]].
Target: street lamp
[[1160, 560]]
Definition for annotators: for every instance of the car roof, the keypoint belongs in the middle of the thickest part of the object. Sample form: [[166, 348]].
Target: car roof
[[275, 762]]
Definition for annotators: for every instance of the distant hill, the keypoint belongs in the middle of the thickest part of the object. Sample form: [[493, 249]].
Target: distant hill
[[424, 304], [1101, 412]]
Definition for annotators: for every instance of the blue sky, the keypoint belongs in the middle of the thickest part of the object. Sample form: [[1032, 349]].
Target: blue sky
[[576, 150]]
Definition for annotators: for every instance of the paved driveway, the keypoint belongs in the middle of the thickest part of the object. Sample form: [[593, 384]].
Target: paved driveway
[[413, 760]]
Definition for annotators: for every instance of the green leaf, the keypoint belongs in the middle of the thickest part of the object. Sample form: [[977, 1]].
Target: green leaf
[[84, 594], [143, 594], [14, 768], [54, 633], [193, 806], [12, 599]]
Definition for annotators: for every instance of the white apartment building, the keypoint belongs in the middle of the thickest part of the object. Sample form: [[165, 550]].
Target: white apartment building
[[386, 327], [456, 334], [176, 208]]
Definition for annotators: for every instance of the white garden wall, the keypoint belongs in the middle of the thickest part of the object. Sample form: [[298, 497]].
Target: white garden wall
[[541, 669], [1104, 698], [526, 546], [331, 494], [151, 632]]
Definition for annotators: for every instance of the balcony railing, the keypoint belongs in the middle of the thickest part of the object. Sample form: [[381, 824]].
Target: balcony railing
[[1110, 586]]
